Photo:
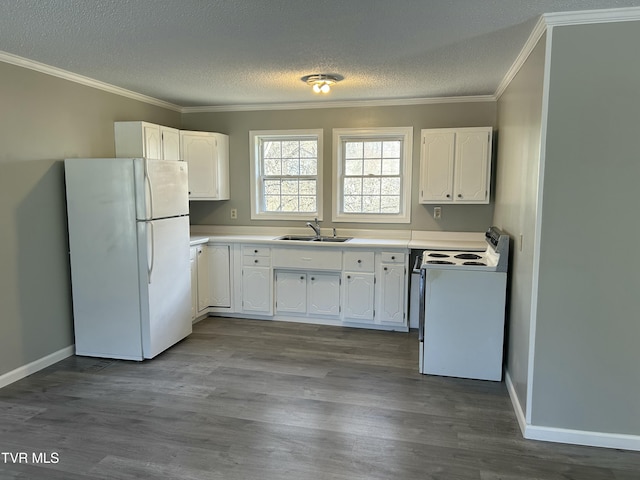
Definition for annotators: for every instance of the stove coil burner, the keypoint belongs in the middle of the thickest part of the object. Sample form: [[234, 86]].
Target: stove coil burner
[[481, 264], [438, 255], [440, 262], [468, 256]]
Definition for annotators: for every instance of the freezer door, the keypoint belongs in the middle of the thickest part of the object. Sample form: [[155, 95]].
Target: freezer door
[[165, 283], [162, 188]]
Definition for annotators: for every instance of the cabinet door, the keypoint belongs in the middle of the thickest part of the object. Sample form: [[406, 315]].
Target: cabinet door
[[219, 275], [194, 282], [203, 277], [170, 143], [256, 290], [392, 296], [200, 151], [436, 167], [358, 297], [152, 141], [291, 292], [323, 294], [472, 166]]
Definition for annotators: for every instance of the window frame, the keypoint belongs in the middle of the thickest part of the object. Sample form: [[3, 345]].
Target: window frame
[[256, 169], [340, 135]]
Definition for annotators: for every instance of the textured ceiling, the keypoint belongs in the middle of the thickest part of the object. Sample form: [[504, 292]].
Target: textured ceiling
[[248, 52]]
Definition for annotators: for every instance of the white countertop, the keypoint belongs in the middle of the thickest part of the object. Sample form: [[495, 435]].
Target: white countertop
[[418, 240]]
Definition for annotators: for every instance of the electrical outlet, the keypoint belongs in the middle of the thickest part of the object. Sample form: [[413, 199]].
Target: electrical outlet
[[437, 212], [234, 213]]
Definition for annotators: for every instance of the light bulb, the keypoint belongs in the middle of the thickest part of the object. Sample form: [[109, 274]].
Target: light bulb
[[316, 88], [325, 88]]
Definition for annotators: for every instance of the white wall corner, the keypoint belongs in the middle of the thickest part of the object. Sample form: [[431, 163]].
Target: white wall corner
[[35, 366]]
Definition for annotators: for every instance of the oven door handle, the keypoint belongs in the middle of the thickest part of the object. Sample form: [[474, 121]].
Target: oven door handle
[[421, 307]]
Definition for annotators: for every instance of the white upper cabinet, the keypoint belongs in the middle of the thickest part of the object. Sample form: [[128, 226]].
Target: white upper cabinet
[[207, 155], [143, 139], [455, 165]]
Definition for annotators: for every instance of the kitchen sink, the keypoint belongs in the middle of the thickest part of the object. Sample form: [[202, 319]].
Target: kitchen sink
[[303, 238]]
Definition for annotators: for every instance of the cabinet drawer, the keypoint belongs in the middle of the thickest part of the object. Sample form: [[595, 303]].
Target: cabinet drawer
[[307, 258], [358, 261], [389, 257], [249, 261], [256, 251]]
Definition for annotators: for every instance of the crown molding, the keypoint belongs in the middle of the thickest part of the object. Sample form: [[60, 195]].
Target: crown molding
[[340, 104], [89, 82], [585, 17]]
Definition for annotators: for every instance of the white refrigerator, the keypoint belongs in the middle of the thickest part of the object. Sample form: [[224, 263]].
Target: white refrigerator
[[129, 252]]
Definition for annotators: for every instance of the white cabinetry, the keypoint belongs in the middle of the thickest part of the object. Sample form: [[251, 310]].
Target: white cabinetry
[[203, 277], [256, 285], [314, 293], [193, 253], [219, 275], [291, 292], [391, 294], [359, 285], [207, 155], [455, 165], [143, 139]]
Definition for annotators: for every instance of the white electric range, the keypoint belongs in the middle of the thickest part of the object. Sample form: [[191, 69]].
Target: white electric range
[[462, 310]]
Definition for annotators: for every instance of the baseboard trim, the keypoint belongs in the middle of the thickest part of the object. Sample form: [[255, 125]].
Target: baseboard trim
[[566, 435], [35, 366]]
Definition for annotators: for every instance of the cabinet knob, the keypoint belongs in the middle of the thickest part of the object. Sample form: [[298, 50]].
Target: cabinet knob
[[255, 261], [393, 257], [359, 261], [313, 278], [448, 196], [255, 251], [349, 276], [302, 278], [459, 195], [385, 269]]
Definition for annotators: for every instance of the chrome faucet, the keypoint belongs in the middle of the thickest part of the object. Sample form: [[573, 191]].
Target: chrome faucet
[[315, 228]]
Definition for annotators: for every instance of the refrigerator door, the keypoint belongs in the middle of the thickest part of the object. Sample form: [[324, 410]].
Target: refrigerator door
[[162, 188], [165, 283]]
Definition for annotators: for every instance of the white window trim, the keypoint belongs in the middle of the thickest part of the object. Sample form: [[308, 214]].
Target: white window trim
[[254, 145], [407, 160]]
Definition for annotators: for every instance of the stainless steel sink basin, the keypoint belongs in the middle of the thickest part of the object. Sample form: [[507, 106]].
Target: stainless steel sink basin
[[303, 238]]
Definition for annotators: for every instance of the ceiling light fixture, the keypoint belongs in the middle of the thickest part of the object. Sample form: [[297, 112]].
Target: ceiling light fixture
[[321, 82]]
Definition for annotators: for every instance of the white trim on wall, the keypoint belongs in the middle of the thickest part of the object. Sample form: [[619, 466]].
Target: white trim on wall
[[89, 82], [35, 366]]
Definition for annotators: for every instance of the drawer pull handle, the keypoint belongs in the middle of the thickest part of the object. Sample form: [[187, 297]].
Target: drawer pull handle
[[306, 259], [255, 251], [359, 261], [393, 258]]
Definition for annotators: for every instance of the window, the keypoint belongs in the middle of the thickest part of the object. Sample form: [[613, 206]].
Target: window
[[372, 175], [286, 174]]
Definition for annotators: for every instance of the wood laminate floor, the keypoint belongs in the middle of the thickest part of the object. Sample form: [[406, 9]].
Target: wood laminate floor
[[243, 399]]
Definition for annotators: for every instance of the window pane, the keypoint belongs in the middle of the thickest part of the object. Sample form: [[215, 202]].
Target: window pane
[[289, 203], [272, 187], [371, 186], [390, 204], [307, 204], [309, 149], [307, 187], [272, 203], [290, 149], [371, 204], [352, 204], [289, 187], [272, 166], [271, 149], [290, 166], [391, 166], [372, 167], [353, 150], [391, 149], [390, 186], [353, 167], [308, 166], [372, 149], [353, 186]]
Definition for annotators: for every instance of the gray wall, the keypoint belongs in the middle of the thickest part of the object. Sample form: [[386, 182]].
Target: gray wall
[[44, 120], [587, 354], [238, 124], [519, 128]]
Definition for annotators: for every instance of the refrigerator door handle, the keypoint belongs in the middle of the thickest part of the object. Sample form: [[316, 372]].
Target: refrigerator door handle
[[421, 307], [147, 178], [153, 251]]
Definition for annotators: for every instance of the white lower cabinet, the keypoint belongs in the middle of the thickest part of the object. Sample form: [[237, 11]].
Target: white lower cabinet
[[392, 301], [315, 293], [257, 294], [194, 282], [359, 297], [203, 277], [220, 275]]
